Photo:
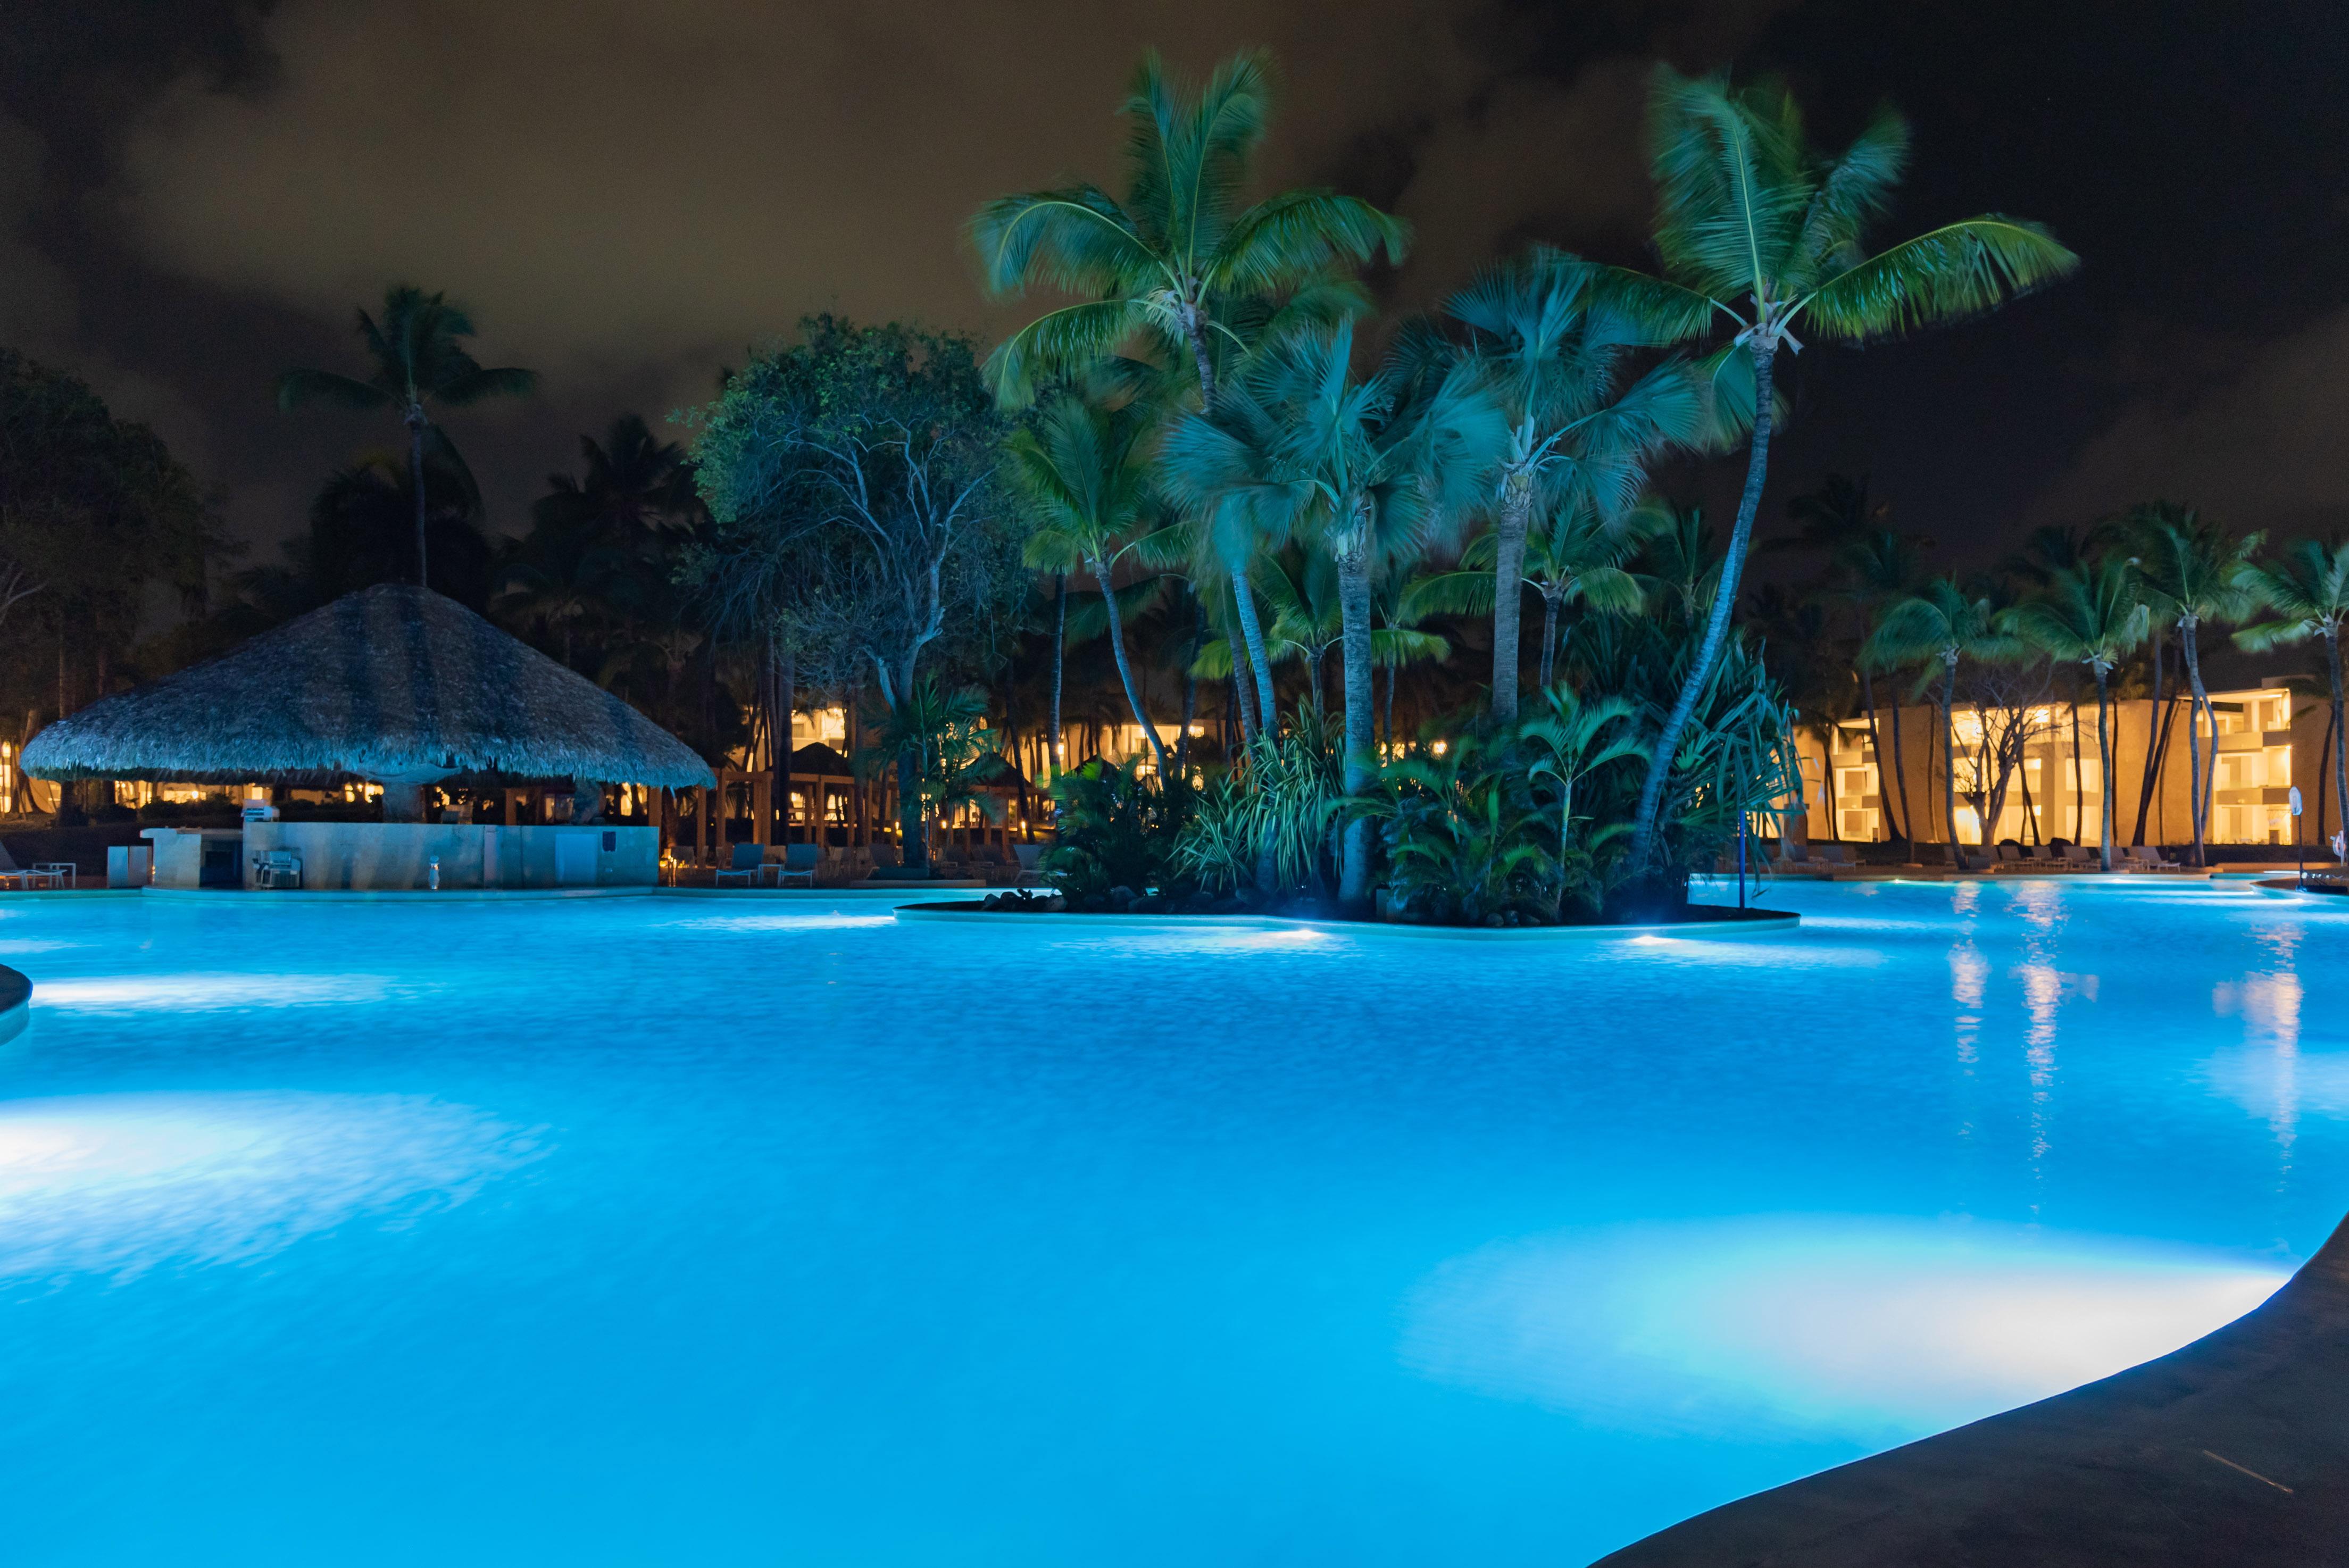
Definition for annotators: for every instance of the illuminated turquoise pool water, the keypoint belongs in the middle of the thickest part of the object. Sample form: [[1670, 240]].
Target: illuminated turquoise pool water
[[662, 1231]]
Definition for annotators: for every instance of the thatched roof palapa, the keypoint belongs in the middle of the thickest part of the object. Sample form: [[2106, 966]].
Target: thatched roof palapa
[[393, 683]]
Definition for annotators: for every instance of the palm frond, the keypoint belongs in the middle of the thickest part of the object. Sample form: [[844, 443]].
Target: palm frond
[[1856, 191], [1077, 240], [1062, 342], [1730, 189], [1292, 237], [296, 388], [473, 386], [1947, 274]]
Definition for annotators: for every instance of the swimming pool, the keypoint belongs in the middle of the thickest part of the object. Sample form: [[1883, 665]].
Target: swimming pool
[[673, 1230]]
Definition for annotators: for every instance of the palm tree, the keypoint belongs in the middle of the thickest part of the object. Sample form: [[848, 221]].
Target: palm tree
[[1940, 624], [419, 359], [1575, 738], [1879, 569], [2308, 590], [1084, 466], [1302, 443], [1179, 263], [1578, 559], [2190, 571], [1761, 234], [1553, 360], [2090, 615]]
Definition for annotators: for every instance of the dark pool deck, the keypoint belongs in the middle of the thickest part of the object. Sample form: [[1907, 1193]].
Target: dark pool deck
[[2233, 1450]]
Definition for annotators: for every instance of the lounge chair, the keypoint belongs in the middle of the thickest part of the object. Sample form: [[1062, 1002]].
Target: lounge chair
[[2081, 855], [884, 856], [11, 873], [798, 864], [1833, 854], [1031, 859], [747, 860], [277, 869]]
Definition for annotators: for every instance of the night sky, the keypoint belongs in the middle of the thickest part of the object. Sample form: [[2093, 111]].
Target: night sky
[[195, 194]]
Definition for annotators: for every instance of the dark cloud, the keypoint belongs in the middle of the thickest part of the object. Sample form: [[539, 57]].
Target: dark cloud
[[629, 195]]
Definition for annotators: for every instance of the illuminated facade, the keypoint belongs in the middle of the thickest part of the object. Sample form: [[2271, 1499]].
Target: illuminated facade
[[2266, 740]]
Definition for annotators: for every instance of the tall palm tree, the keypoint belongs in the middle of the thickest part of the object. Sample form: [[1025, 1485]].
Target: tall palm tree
[[1760, 235], [1578, 439], [419, 360], [1939, 626], [1179, 263], [1346, 463], [2190, 571], [2307, 588], [2090, 615], [1084, 466]]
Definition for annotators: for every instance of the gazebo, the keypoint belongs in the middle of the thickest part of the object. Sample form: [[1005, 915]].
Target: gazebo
[[401, 687]]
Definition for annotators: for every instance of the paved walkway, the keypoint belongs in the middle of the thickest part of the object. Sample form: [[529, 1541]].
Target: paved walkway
[[2232, 1451]]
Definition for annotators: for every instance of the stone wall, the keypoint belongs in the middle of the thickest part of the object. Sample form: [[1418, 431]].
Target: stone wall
[[381, 856]]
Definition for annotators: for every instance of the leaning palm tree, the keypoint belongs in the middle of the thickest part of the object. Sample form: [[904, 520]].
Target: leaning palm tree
[[1083, 465], [1179, 263], [1760, 235], [1580, 439], [2190, 571], [2090, 615], [1320, 453], [1940, 626], [419, 359], [2308, 590]]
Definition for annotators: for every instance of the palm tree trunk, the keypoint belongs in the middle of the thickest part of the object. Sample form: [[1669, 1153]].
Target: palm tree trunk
[[1361, 734], [2079, 790], [1876, 753], [1252, 634], [2340, 752], [2104, 761], [1509, 591], [1125, 670], [1950, 755], [1313, 678], [2199, 799], [416, 482], [1900, 780], [787, 700], [1716, 628], [1549, 639], [2154, 746], [1059, 651], [1389, 709], [1190, 680]]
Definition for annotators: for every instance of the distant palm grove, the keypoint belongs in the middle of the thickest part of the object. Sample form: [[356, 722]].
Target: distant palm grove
[[1278, 598]]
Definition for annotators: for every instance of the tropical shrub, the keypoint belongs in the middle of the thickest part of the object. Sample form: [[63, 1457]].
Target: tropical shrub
[[1466, 842], [1118, 829]]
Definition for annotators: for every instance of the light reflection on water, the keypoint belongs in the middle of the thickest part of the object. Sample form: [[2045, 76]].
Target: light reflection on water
[[658, 1231]]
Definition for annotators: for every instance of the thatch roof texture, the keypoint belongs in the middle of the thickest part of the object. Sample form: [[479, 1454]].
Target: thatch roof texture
[[391, 683]]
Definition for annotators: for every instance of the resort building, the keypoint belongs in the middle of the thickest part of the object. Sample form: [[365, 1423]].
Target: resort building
[[2034, 769]]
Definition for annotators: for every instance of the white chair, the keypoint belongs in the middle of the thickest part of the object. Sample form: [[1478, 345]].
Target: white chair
[[277, 869]]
